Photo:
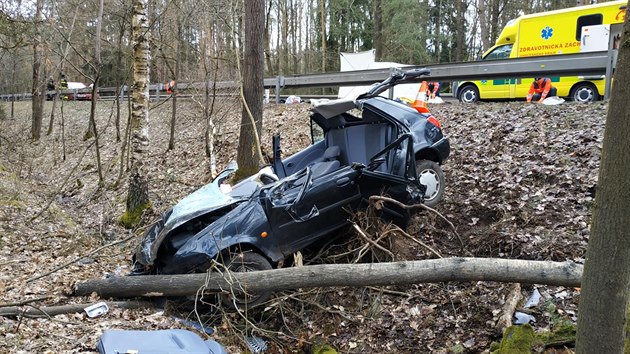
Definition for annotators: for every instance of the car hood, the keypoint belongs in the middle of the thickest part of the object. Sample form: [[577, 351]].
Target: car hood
[[204, 200]]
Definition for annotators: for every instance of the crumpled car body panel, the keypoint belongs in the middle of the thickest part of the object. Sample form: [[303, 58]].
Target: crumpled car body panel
[[305, 197]]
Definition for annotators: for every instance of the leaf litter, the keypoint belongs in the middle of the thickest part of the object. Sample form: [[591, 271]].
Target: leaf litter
[[521, 182]]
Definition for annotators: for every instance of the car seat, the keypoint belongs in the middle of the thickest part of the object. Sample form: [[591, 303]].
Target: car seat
[[329, 164]]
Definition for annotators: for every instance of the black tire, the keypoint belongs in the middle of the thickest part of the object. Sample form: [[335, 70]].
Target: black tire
[[584, 92], [432, 176], [248, 261], [468, 94]]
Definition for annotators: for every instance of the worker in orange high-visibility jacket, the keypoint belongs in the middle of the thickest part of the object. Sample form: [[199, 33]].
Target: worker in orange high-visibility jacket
[[433, 90], [540, 89], [170, 87]]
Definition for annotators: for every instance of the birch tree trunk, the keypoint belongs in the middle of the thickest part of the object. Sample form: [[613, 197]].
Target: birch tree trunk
[[602, 312], [138, 193]]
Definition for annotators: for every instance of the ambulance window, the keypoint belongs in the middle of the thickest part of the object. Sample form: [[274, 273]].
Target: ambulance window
[[588, 20], [502, 52]]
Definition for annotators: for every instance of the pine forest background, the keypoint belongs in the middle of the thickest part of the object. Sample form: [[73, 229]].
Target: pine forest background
[[190, 39]]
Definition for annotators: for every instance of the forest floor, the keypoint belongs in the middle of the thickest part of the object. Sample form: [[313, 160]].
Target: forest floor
[[520, 185]]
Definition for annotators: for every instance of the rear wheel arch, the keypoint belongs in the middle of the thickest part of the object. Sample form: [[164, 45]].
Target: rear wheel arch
[[242, 247], [428, 154]]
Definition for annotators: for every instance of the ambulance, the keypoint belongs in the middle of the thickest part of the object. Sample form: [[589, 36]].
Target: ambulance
[[546, 33]]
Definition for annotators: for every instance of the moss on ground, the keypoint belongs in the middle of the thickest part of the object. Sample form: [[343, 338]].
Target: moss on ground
[[323, 349], [517, 340], [522, 339], [131, 218]]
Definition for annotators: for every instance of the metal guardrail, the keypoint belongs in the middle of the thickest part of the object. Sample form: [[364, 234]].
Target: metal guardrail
[[583, 64]]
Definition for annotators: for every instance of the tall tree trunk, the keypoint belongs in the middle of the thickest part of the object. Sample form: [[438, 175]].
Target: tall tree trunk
[[483, 25], [210, 62], [460, 30], [322, 18], [299, 50], [178, 55], [284, 45], [249, 155], [378, 29], [308, 39], [267, 40], [37, 98], [602, 311], [438, 31], [138, 193], [98, 65]]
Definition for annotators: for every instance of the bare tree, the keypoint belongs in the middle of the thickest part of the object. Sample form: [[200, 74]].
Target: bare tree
[[178, 58], [138, 193], [38, 97], [602, 315], [249, 156], [322, 17], [98, 65]]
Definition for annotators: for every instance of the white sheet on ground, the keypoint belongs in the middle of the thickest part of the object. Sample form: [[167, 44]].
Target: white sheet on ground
[[552, 101]]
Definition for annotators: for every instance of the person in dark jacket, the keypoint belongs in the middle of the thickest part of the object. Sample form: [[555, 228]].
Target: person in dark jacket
[[540, 89], [50, 87], [64, 82]]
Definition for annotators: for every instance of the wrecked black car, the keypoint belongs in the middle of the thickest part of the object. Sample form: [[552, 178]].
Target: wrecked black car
[[387, 149]]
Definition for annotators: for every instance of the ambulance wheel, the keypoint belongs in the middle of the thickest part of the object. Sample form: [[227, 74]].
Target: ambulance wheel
[[469, 94], [584, 92]]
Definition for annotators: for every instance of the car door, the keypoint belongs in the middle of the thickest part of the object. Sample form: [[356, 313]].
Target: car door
[[398, 180], [309, 209]]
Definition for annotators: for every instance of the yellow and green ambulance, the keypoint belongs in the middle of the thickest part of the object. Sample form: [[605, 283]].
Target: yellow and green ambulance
[[546, 33]]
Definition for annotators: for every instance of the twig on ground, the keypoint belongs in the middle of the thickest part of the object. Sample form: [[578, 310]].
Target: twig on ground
[[390, 292], [13, 261], [79, 258], [369, 240], [396, 228], [24, 302]]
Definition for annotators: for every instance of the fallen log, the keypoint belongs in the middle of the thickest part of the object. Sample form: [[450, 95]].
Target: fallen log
[[354, 275], [31, 311]]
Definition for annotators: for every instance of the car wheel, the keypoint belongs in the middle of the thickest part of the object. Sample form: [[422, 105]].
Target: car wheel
[[247, 261], [469, 94], [585, 92], [432, 176]]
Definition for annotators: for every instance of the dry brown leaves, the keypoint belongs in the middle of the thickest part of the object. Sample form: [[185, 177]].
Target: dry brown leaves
[[521, 182]]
